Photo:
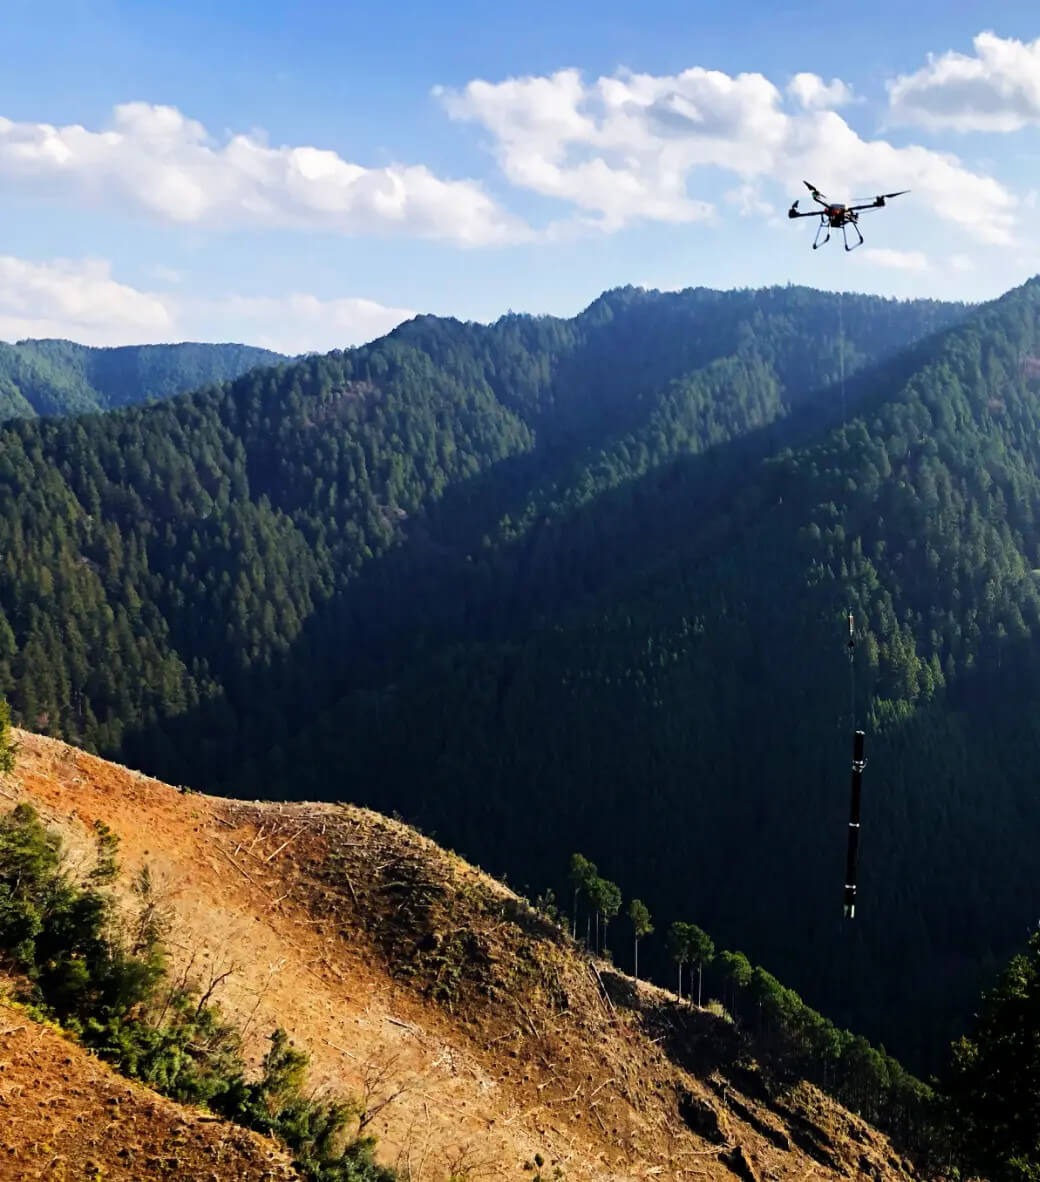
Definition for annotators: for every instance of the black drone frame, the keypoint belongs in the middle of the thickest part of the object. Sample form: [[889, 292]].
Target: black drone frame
[[835, 217]]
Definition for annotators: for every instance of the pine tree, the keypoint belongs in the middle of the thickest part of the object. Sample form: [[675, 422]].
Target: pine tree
[[609, 904], [701, 949], [679, 947], [639, 914], [8, 747], [582, 875]]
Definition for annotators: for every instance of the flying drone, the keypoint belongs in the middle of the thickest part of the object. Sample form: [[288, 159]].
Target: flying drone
[[834, 216]]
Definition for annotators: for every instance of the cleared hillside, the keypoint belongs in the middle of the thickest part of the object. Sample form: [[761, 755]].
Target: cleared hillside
[[483, 1043]]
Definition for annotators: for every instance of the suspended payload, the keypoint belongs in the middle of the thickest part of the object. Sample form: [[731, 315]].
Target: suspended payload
[[838, 216], [852, 854]]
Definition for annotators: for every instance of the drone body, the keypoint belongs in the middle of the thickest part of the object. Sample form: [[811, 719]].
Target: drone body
[[836, 216]]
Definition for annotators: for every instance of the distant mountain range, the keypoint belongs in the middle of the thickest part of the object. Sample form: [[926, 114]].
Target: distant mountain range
[[53, 377]]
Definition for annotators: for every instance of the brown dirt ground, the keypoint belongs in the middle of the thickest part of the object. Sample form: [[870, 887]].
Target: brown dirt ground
[[476, 1032], [65, 1116]]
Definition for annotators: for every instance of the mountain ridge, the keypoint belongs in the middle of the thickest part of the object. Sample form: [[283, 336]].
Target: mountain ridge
[[48, 376]]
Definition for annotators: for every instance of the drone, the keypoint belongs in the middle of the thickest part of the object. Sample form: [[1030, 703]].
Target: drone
[[834, 216]]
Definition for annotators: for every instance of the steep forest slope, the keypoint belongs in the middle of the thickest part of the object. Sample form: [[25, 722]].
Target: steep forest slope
[[52, 377], [553, 585], [482, 1042]]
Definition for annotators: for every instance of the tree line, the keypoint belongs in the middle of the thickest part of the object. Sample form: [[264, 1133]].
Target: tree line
[[54, 377], [979, 1115], [791, 1040]]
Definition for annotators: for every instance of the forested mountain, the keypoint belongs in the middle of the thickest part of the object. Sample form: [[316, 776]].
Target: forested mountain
[[51, 377], [548, 585]]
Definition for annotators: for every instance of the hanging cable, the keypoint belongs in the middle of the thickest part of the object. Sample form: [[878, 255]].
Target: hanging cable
[[844, 424], [858, 761], [841, 353]]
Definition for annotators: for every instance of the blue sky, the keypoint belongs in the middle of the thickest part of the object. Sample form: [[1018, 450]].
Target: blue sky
[[305, 175]]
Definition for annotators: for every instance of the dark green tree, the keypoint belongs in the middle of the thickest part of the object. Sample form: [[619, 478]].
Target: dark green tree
[[679, 948], [639, 914], [735, 969], [608, 904], [8, 747], [993, 1078], [582, 875], [701, 949]]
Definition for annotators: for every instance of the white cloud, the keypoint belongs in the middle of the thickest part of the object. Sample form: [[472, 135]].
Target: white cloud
[[155, 159], [997, 89], [296, 323], [77, 299], [627, 147], [813, 93], [80, 300], [899, 260]]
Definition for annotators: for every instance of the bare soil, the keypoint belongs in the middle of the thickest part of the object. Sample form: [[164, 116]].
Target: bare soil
[[66, 1116]]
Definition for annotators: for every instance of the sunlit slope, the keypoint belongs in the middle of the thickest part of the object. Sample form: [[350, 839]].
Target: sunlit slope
[[475, 1026]]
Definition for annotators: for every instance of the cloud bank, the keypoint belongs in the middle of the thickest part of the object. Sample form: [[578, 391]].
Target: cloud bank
[[629, 147], [899, 260], [156, 160], [79, 300], [996, 90]]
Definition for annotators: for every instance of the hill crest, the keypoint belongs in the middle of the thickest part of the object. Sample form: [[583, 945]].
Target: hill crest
[[479, 1037]]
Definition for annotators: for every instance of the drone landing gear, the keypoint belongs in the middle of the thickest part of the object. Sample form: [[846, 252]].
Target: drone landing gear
[[845, 233], [822, 226]]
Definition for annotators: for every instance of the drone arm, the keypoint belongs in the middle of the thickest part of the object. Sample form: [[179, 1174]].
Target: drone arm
[[804, 213]]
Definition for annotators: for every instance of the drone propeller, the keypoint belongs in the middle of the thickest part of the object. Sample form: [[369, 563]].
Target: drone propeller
[[815, 192], [882, 196]]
